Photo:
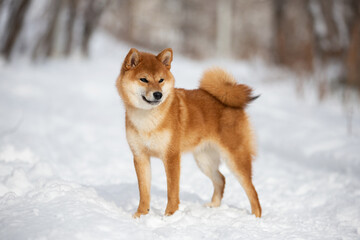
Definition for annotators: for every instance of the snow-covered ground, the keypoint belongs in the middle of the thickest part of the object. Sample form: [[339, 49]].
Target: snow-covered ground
[[66, 171]]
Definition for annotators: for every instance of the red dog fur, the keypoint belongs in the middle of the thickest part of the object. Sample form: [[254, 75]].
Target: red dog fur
[[209, 121]]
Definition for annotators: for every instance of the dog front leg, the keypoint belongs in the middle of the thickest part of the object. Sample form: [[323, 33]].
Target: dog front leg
[[172, 168], [143, 172]]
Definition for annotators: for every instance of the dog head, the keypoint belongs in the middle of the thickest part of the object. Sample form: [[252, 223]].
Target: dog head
[[145, 80]]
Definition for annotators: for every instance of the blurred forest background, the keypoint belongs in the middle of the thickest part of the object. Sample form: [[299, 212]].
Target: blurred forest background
[[305, 36]]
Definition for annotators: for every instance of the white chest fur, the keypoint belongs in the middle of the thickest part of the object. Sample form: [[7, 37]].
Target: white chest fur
[[145, 136], [157, 141], [145, 120]]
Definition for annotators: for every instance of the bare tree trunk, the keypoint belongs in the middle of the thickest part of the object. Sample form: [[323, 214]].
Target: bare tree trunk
[[14, 25], [279, 39], [130, 25], [353, 53], [72, 10], [293, 38], [186, 28], [330, 42], [192, 31], [327, 8], [91, 18], [224, 28], [49, 38], [45, 45]]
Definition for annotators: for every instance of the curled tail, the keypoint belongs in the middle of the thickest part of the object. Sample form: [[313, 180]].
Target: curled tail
[[223, 86]]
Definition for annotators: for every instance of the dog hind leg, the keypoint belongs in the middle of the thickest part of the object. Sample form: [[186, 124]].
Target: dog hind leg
[[240, 164], [208, 160]]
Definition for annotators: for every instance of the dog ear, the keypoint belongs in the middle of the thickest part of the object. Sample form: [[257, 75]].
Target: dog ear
[[166, 57], [132, 59]]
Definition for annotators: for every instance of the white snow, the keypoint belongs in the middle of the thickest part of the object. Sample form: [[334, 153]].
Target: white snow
[[66, 170]]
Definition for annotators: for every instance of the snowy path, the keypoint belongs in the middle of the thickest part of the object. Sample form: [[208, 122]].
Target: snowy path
[[66, 171]]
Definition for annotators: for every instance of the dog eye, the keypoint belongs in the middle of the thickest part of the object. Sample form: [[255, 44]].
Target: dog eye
[[161, 80], [144, 80]]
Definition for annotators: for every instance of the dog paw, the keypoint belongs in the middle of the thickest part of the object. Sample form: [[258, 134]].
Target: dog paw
[[171, 210], [138, 214], [257, 213], [167, 214], [212, 204]]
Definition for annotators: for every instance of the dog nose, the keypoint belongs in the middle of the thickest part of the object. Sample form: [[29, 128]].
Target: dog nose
[[157, 95]]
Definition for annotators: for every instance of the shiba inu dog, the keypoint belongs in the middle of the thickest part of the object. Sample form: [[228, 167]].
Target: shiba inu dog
[[163, 122]]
